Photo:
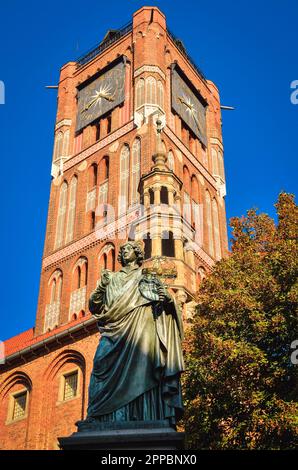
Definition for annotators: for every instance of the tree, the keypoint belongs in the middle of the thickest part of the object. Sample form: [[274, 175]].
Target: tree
[[240, 383]]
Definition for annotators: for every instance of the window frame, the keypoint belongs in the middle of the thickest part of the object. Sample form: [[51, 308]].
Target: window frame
[[62, 382], [11, 405]]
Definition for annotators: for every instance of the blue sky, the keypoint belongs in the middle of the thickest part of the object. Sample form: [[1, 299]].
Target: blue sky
[[249, 49]]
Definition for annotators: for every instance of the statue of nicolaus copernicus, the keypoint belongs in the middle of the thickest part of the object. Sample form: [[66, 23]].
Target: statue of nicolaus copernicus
[[138, 362]]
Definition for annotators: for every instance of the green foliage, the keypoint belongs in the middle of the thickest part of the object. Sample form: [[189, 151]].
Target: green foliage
[[240, 384]]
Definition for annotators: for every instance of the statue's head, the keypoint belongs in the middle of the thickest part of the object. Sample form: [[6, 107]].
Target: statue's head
[[131, 251]]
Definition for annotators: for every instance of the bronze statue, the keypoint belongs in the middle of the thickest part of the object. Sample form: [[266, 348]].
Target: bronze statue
[[138, 362]]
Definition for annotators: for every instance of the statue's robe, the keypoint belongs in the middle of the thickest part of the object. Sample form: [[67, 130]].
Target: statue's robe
[[138, 362]]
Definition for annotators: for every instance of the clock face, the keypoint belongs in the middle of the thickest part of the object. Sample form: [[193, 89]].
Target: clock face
[[101, 95], [188, 106]]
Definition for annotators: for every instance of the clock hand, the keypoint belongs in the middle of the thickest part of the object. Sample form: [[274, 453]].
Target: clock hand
[[185, 102], [191, 107], [107, 97], [99, 95], [196, 120], [91, 103]]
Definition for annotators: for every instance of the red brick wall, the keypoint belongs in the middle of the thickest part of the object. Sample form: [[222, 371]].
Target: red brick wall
[[47, 419]]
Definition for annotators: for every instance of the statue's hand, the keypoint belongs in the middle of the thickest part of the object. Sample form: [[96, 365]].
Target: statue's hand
[[163, 293], [106, 275]]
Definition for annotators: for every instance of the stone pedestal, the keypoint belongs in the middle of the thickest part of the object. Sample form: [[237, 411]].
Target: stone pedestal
[[133, 435]]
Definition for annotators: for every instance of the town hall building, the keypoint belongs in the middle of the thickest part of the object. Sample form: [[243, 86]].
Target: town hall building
[[138, 155]]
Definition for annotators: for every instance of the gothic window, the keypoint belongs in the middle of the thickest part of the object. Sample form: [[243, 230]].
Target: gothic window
[[78, 142], [201, 274], [61, 215], [160, 94], [102, 200], [140, 92], [195, 201], [53, 291], [124, 178], [79, 284], [58, 146], [71, 209], [151, 196], [92, 220], [97, 130], [92, 176], [187, 207], [105, 167], [221, 166], [209, 224], [171, 161], [147, 246], [164, 195], [186, 179], [167, 244], [65, 147], [216, 230], [214, 162], [109, 123], [135, 171], [150, 90], [52, 311], [107, 257]]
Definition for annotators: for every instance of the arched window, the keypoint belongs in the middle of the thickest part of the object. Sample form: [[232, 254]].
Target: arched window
[[164, 195], [79, 287], [151, 196], [79, 279], [194, 188], [186, 179], [135, 171], [216, 230], [103, 169], [124, 178], [209, 224], [214, 162], [201, 274], [55, 287], [58, 145], [106, 257], [65, 148], [171, 161], [92, 176], [61, 215], [167, 244], [221, 166], [106, 167], [147, 246], [150, 90], [195, 203], [71, 209], [160, 94], [52, 312], [140, 92]]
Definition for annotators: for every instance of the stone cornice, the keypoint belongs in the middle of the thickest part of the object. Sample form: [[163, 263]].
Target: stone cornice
[[190, 156], [98, 145], [64, 122], [99, 235], [150, 69]]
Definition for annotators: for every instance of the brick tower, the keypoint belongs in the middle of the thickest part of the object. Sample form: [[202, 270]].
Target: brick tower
[[138, 154]]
